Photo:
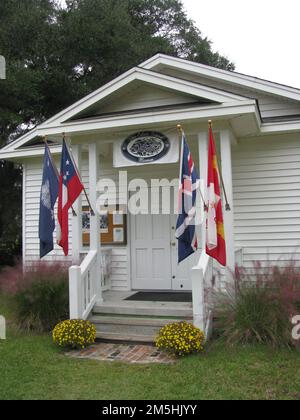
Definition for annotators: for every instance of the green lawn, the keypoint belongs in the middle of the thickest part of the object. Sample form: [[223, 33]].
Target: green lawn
[[32, 368]]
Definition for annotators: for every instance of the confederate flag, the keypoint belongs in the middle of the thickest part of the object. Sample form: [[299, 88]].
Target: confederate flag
[[70, 187], [215, 235]]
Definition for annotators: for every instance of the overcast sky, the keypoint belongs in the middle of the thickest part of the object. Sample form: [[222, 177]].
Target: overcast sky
[[260, 36]]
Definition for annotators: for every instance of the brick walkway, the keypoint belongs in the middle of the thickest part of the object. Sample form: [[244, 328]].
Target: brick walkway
[[123, 353]]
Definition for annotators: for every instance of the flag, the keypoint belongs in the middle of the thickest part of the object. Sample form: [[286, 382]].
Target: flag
[[215, 234], [189, 182], [48, 197], [70, 187]]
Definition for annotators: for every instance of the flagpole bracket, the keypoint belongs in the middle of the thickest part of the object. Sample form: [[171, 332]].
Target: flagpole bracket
[[227, 207]]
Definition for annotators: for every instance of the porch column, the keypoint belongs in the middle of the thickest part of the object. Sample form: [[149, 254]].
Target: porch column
[[225, 141], [197, 272], [95, 244], [77, 220], [203, 161]]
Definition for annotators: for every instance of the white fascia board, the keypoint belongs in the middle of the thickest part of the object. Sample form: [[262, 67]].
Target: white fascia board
[[223, 75], [157, 117], [21, 140], [280, 127], [21, 154]]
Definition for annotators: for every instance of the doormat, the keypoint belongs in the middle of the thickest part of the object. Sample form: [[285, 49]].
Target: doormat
[[161, 297]]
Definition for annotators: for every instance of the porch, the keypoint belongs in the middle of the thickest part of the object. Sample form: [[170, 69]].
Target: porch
[[92, 293], [120, 319]]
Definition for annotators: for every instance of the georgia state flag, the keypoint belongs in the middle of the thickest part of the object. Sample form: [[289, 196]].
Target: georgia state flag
[[70, 187]]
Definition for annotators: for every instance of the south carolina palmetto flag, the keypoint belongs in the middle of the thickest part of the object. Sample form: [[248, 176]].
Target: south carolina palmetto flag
[[215, 234]]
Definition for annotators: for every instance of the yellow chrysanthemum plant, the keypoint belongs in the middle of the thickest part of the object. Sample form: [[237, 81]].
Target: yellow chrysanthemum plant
[[180, 339], [74, 334]]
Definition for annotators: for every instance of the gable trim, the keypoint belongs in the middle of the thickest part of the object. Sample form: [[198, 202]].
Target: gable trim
[[240, 79], [150, 77]]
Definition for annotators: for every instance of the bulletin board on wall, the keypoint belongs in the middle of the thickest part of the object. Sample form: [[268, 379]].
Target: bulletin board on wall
[[113, 227]]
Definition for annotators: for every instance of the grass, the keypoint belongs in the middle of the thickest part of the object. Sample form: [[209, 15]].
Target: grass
[[33, 368]]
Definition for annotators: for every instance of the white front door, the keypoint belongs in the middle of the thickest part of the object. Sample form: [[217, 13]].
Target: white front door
[[150, 252], [154, 255]]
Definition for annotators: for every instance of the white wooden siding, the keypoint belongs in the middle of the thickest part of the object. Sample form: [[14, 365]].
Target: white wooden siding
[[120, 278], [270, 105], [266, 183], [144, 96]]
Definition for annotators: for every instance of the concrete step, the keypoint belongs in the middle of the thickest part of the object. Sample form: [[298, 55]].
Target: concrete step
[[130, 328], [155, 309], [116, 337]]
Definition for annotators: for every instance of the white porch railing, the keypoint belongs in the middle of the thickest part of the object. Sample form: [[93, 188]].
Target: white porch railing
[[202, 276], [84, 283], [239, 257], [106, 255]]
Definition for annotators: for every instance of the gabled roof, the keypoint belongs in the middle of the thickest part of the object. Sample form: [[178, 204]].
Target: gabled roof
[[206, 101], [146, 76], [181, 86], [161, 60]]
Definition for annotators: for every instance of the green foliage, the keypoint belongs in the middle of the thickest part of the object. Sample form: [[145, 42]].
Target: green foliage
[[57, 55], [42, 305], [40, 295], [10, 213], [74, 334], [180, 339], [253, 316], [32, 368], [260, 308]]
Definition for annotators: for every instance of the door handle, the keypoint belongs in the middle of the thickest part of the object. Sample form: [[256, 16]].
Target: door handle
[[173, 243]]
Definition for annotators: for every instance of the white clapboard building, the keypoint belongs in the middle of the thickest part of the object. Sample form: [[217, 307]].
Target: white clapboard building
[[257, 130]]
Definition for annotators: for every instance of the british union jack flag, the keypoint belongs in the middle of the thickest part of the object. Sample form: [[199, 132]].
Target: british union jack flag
[[189, 183]]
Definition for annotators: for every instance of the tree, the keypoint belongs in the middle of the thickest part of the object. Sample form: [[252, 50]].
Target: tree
[[57, 55]]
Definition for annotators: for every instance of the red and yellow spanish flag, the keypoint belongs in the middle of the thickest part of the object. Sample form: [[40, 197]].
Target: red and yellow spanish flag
[[215, 235]]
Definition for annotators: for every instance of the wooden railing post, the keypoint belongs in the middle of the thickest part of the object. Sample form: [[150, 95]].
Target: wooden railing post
[[75, 297], [198, 298], [2, 328]]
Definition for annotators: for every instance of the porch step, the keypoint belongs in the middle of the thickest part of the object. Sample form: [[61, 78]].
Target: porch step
[[115, 337], [124, 328], [153, 309]]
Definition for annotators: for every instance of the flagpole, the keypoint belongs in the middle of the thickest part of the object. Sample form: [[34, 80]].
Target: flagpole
[[79, 176], [55, 169], [227, 206], [181, 131]]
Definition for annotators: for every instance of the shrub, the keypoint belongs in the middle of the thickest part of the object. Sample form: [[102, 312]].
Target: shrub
[[260, 306], [74, 334], [180, 339], [40, 293]]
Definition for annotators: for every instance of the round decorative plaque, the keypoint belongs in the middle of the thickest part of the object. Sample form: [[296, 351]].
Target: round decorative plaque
[[146, 147]]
